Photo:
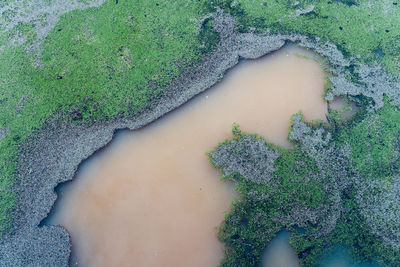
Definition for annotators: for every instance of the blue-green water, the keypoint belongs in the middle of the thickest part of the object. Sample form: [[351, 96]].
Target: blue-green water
[[279, 253], [339, 257]]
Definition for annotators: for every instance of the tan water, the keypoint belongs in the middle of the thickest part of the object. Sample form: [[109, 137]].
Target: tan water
[[152, 198], [346, 109]]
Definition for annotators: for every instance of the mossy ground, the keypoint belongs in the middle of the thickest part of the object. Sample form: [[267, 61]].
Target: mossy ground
[[374, 142], [359, 28], [373, 139], [263, 208]]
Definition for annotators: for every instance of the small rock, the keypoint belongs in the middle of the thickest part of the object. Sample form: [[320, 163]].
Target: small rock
[[3, 133], [76, 115]]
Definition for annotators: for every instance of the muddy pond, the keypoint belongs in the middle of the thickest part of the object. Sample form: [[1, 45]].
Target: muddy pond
[[151, 197]]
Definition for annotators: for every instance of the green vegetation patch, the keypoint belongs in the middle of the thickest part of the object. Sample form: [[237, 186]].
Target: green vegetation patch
[[352, 233], [290, 194], [366, 29], [341, 185], [374, 143]]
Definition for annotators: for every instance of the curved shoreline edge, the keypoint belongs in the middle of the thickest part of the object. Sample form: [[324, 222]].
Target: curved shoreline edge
[[53, 154]]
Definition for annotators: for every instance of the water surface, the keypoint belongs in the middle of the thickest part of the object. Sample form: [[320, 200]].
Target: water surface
[[279, 253], [151, 198], [340, 257], [346, 108]]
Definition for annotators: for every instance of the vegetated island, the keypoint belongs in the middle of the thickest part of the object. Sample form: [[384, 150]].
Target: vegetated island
[[71, 74]]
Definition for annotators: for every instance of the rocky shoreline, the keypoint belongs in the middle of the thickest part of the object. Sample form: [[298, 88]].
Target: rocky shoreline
[[53, 154]]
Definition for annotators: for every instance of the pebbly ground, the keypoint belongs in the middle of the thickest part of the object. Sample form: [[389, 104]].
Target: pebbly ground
[[53, 154]]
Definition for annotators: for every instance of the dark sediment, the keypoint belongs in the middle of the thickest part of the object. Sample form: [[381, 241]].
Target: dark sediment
[[53, 154]]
